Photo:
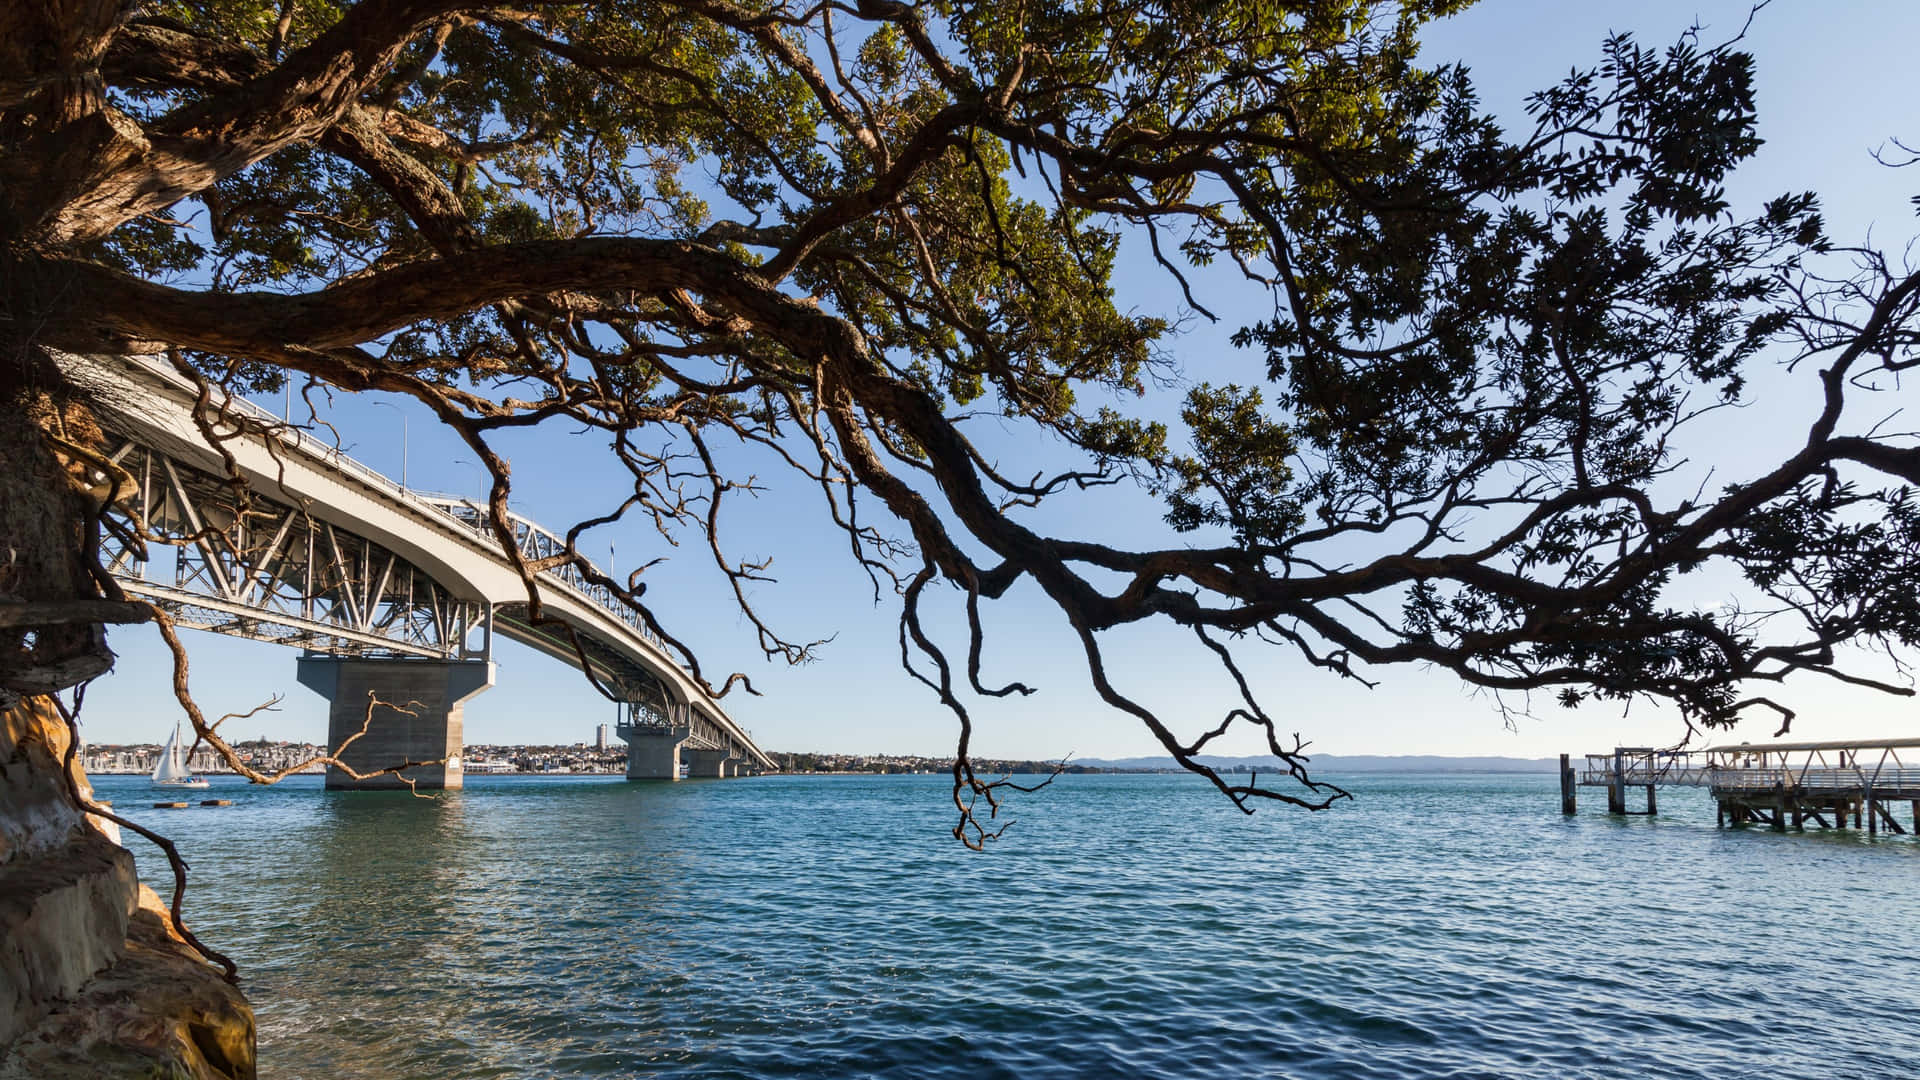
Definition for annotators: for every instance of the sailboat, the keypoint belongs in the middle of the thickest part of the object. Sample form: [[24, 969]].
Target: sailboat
[[171, 771]]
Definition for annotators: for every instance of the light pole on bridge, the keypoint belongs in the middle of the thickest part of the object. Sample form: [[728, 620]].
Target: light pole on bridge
[[403, 438], [485, 479]]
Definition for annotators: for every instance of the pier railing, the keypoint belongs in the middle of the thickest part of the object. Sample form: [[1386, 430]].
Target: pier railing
[[1843, 767], [1890, 783], [1773, 783], [1667, 768]]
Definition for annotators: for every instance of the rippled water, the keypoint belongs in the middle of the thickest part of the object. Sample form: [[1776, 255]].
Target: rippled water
[[1441, 926]]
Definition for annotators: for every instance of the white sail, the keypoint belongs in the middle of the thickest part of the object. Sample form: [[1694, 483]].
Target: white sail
[[170, 769]]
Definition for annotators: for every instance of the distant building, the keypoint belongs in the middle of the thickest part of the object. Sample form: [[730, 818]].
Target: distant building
[[600, 737]]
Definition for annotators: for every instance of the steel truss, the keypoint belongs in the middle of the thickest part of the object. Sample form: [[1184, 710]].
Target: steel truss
[[666, 717], [546, 554], [650, 709], [648, 705], [262, 569]]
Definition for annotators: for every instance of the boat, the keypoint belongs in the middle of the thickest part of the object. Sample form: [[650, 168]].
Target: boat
[[171, 770]]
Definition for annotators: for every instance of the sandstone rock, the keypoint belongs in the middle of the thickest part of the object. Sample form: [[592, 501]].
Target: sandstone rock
[[93, 981], [159, 1011], [66, 891], [63, 917], [36, 813]]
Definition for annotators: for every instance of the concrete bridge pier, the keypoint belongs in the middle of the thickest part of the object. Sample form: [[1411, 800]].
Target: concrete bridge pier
[[655, 755], [434, 692], [707, 763]]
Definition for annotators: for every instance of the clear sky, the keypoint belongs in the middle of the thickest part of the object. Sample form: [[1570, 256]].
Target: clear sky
[[1834, 84]]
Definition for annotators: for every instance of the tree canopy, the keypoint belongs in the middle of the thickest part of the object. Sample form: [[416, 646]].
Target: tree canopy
[[846, 231]]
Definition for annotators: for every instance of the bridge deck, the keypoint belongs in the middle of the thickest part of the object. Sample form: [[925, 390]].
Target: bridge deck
[[329, 555]]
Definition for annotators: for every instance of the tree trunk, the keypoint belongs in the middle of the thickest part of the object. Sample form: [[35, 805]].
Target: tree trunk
[[44, 524], [93, 981]]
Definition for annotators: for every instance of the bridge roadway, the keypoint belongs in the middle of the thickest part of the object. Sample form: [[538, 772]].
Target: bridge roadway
[[387, 591]]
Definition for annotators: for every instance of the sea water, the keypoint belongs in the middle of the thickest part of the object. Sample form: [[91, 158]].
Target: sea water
[[1436, 926]]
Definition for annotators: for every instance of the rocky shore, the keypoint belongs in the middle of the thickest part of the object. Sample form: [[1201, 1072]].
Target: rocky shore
[[94, 982]]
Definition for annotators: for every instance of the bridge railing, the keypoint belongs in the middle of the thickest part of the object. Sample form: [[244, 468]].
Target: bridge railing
[[293, 435], [535, 542], [538, 543]]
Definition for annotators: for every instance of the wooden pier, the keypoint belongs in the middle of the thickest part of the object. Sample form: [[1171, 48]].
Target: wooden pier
[[1835, 785]]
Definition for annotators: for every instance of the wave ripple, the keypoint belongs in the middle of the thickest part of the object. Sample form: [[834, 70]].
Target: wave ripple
[[1441, 927]]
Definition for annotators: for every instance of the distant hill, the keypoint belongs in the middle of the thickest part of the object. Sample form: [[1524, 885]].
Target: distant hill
[[1355, 763]]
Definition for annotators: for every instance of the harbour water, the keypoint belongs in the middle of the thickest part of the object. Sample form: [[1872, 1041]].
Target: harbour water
[[1439, 926]]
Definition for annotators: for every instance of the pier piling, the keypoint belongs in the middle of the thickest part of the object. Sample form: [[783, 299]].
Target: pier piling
[[1768, 784]]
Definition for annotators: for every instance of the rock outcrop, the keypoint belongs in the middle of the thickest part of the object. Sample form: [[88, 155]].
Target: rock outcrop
[[93, 981]]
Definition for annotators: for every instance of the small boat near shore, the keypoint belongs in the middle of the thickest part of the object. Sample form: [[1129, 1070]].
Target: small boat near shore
[[171, 770]]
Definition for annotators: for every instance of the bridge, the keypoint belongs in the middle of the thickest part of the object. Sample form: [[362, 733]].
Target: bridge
[[386, 591], [1769, 784]]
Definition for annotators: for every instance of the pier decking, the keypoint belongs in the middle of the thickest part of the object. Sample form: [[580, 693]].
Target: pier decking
[[1774, 784]]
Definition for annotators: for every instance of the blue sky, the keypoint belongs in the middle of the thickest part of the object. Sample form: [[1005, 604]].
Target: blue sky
[[1834, 84]]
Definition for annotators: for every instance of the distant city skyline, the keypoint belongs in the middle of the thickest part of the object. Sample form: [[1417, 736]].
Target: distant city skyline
[[106, 759], [483, 758]]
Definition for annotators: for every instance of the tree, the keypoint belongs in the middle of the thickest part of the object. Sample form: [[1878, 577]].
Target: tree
[[1483, 352]]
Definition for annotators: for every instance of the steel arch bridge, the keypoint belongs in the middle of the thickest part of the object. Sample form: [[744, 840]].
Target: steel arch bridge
[[320, 552]]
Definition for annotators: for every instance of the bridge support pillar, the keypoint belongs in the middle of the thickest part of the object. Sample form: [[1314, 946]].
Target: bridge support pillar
[[655, 754], [712, 763], [435, 692]]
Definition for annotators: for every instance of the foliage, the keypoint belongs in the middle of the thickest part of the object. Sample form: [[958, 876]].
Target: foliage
[[840, 231]]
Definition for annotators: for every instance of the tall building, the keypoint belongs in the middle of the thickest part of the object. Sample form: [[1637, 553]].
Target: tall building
[[600, 737]]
